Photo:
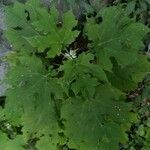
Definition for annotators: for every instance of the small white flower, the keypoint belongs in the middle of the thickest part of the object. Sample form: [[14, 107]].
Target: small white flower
[[71, 54], [8, 126]]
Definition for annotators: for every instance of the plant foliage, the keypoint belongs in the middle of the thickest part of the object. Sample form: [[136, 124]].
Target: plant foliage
[[138, 9], [140, 131], [78, 103]]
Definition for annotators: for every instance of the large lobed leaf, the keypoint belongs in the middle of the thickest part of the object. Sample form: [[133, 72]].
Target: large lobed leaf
[[96, 122], [8, 144], [31, 27], [31, 98], [116, 36]]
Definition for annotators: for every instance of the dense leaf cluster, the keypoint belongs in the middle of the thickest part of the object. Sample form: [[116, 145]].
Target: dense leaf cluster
[[139, 134], [138, 9], [77, 102]]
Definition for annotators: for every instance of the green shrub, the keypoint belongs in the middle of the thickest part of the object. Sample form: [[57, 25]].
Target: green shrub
[[68, 98]]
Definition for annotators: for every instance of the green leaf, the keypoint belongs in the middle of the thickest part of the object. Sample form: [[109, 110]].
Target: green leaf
[[130, 7], [148, 122], [8, 144], [78, 73], [86, 85], [116, 36], [18, 26], [46, 22], [82, 65], [32, 90], [141, 131], [46, 143], [30, 26], [55, 38], [97, 122], [148, 1], [127, 78]]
